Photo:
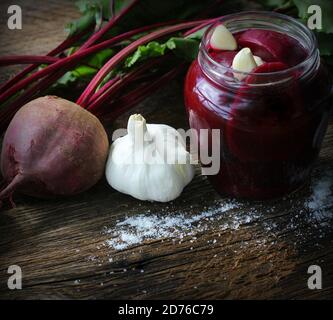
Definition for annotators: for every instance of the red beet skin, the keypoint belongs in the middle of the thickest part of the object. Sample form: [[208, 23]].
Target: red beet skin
[[52, 147], [272, 46]]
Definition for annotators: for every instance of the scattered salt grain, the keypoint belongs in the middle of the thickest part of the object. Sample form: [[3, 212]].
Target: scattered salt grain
[[321, 200], [136, 229], [315, 211]]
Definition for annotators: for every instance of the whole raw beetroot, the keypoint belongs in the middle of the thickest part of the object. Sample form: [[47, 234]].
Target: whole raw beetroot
[[52, 147]]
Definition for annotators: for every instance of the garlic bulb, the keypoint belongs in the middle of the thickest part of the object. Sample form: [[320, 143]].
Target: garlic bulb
[[150, 162]]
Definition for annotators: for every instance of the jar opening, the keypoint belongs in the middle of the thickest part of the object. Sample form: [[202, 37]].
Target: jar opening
[[245, 20]]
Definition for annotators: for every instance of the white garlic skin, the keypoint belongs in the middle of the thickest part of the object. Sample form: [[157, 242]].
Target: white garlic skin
[[154, 181]]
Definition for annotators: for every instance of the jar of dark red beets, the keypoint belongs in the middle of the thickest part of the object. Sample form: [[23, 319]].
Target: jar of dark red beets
[[273, 121]]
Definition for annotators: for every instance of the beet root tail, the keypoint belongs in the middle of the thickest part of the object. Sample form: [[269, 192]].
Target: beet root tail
[[8, 191]]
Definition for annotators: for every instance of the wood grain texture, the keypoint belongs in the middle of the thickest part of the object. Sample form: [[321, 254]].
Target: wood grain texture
[[60, 244]]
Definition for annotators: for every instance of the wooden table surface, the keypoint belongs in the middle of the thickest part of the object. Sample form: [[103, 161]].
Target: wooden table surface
[[71, 248]]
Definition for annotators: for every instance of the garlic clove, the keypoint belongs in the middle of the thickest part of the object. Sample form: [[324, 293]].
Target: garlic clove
[[222, 39], [258, 61], [243, 62]]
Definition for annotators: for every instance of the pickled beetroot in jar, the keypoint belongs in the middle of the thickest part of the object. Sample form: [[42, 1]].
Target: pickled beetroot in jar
[[272, 121], [224, 58], [272, 46]]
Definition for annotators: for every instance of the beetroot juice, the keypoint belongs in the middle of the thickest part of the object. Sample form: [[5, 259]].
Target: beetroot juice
[[273, 120]]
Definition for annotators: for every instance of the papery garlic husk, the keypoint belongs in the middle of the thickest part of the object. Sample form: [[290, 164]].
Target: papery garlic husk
[[142, 163]]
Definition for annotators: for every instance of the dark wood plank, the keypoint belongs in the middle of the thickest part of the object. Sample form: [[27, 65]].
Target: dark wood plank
[[255, 250]]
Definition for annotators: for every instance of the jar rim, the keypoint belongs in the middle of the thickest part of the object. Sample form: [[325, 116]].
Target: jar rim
[[243, 14]]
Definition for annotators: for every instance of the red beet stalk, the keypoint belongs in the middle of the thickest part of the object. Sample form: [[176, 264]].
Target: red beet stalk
[[140, 93], [63, 46], [90, 90], [112, 87], [6, 61], [75, 58], [98, 35], [68, 43]]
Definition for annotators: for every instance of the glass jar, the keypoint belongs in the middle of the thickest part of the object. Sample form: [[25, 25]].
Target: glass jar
[[272, 127]]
